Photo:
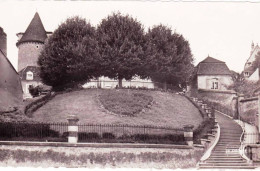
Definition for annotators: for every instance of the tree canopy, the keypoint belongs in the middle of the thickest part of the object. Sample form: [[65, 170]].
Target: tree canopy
[[119, 49], [121, 41], [169, 59], [70, 54]]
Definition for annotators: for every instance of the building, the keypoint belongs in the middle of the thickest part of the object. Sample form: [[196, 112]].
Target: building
[[10, 87], [213, 74], [107, 83], [30, 44], [250, 73]]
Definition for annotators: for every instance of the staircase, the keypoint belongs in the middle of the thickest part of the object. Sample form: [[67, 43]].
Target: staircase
[[226, 155]]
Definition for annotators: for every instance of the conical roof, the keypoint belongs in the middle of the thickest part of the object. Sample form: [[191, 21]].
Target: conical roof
[[35, 32]]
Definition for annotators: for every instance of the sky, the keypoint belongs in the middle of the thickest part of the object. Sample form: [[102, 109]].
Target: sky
[[222, 30]]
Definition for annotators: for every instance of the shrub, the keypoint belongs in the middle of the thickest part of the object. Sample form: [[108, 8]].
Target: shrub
[[88, 136], [108, 135], [32, 107], [26, 130], [204, 128], [35, 91], [124, 103]]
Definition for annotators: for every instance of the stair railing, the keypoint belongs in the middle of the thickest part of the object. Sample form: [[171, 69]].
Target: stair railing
[[242, 148], [208, 152]]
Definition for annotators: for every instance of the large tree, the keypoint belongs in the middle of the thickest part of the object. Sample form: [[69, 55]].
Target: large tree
[[168, 56], [70, 55], [121, 41]]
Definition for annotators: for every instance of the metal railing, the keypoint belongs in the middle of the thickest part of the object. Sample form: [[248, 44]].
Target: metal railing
[[33, 131], [58, 132], [130, 133]]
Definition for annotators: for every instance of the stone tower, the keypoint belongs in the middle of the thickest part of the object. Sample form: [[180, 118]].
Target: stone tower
[[30, 43], [3, 45]]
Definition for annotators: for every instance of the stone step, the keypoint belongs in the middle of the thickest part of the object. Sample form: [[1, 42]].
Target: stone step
[[225, 160], [229, 143], [224, 155], [224, 164], [230, 162], [230, 137], [227, 167]]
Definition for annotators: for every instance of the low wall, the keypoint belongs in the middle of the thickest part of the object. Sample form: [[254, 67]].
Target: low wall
[[253, 152], [92, 157], [222, 97]]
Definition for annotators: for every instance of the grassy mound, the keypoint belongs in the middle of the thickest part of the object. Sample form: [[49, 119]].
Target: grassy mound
[[126, 103], [167, 110]]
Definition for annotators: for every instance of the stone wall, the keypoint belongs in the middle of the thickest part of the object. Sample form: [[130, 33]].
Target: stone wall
[[28, 54], [222, 97], [248, 110], [10, 86]]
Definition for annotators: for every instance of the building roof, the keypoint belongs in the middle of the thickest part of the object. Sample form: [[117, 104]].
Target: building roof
[[35, 32], [212, 66], [34, 69], [8, 60]]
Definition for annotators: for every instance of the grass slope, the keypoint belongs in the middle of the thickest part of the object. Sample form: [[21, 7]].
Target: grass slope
[[167, 110]]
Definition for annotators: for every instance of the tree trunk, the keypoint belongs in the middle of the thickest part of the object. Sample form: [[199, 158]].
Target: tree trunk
[[120, 83], [165, 86]]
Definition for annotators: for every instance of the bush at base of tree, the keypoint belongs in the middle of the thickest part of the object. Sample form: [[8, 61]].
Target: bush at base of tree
[[35, 91]]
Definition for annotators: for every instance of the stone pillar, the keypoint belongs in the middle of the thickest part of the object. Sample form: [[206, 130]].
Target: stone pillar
[[199, 102], [73, 129], [204, 106], [188, 134], [208, 111]]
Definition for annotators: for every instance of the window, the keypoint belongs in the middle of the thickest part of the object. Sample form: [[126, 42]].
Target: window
[[246, 73], [29, 75], [214, 85]]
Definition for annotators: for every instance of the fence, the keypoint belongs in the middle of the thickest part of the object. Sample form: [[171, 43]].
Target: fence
[[58, 132], [21, 131], [130, 134]]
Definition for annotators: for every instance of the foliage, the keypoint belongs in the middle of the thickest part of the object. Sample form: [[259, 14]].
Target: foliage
[[121, 41], [243, 86], [108, 137], [26, 130], [32, 107], [168, 56], [35, 91], [124, 103], [70, 55], [204, 128]]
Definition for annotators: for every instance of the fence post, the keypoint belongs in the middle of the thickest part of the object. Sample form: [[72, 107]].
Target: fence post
[[188, 134], [73, 129]]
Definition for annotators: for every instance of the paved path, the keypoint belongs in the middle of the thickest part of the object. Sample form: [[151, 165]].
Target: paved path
[[225, 154]]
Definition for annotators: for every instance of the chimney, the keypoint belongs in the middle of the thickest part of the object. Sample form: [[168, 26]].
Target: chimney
[[3, 43]]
